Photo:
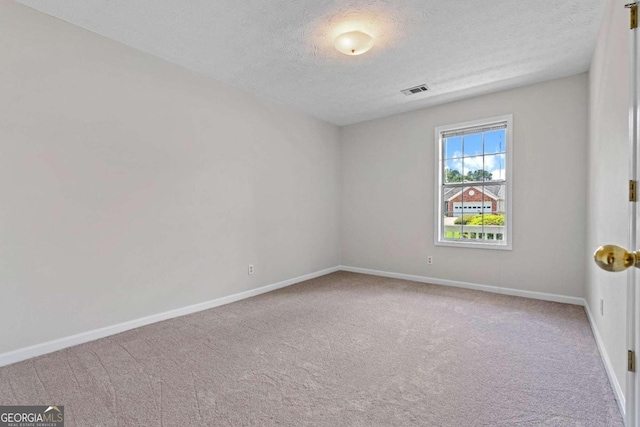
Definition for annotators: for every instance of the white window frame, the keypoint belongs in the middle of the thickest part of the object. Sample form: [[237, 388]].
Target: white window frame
[[439, 240]]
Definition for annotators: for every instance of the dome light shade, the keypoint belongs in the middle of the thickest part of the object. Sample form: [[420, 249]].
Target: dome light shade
[[354, 43]]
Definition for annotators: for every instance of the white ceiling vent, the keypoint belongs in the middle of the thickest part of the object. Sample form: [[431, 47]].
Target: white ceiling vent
[[415, 89]]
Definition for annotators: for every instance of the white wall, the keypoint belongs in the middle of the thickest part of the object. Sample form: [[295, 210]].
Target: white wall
[[388, 191], [608, 174], [130, 186]]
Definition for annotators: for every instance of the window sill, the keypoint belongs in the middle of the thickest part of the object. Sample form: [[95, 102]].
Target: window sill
[[475, 245]]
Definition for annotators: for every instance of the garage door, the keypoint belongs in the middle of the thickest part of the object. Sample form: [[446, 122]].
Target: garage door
[[470, 208]]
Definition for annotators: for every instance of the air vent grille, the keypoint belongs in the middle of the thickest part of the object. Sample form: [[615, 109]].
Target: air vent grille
[[415, 89]]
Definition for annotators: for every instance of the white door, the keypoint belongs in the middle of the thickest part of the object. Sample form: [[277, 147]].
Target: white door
[[612, 258], [633, 278]]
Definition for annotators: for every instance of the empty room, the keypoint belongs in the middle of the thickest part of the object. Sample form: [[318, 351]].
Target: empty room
[[319, 213]]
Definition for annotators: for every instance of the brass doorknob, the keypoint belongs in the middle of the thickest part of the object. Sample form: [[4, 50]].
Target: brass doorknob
[[615, 258]]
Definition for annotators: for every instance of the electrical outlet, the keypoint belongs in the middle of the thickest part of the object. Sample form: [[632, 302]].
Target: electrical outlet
[[429, 260], [251, 269], [602, 306]]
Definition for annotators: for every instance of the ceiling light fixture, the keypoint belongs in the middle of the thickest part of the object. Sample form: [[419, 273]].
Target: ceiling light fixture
[[354, 43]]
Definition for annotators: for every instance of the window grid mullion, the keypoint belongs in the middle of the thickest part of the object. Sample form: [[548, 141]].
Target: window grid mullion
[[483, 179]]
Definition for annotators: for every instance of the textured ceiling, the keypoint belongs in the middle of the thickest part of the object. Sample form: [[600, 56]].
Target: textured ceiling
[[283, 49]]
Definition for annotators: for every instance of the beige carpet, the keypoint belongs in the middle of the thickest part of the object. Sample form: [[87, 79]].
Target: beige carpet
[[341, 350]]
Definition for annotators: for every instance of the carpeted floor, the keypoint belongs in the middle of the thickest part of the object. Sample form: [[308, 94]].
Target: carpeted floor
[[341, 350]]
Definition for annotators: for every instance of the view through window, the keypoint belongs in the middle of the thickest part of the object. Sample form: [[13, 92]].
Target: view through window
[[473, 183]]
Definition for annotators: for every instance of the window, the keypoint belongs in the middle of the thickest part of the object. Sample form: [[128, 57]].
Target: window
[[473, 184]]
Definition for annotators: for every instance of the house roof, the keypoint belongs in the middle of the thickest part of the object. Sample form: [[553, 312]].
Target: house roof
[[496, 192]]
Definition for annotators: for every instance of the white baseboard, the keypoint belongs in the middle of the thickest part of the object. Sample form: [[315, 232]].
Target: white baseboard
[[61, 343], [454, 283], [607, 362]]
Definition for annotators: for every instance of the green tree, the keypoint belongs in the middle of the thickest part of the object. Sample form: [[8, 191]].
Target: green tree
[[454, 175], [479, 175]]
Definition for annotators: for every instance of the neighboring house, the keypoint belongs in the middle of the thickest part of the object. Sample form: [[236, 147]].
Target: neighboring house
[[475, 199]]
